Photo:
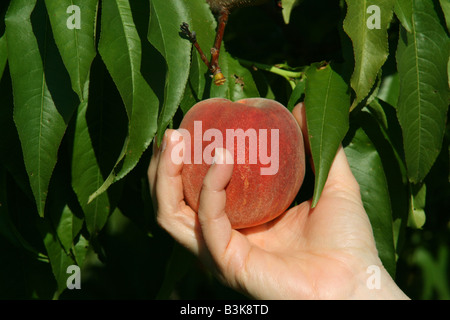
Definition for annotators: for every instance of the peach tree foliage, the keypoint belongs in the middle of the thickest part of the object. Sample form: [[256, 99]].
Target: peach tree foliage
[[87, 85]]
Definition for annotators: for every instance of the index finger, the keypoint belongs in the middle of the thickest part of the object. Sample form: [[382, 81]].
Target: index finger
[[299, 113]]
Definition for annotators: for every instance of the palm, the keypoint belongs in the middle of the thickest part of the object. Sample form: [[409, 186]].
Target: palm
[[317, 244]]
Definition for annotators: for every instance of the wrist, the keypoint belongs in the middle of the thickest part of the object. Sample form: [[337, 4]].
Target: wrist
[[375, 283]]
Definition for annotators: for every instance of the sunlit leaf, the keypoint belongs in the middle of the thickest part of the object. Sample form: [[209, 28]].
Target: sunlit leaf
[[422, 59], [288, 6], [327, 106], [297, 93], [40, 124], [417, 216], [164, 34], [366, 24], [403, 11], [239, 84], [76, 46], [445, 5], [59, 259], [99, 135], [389, 89], [120, 49]]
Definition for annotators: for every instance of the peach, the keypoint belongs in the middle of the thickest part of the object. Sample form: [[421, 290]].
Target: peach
[[269, 157]]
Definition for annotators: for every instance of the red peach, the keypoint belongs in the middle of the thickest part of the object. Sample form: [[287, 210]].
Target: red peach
[[269, 156]]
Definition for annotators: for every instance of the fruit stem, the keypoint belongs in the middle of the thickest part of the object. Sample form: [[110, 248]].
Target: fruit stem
[[287, 74]]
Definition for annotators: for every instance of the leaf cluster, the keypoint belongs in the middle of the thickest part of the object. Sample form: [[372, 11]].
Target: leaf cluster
[[81, 107]]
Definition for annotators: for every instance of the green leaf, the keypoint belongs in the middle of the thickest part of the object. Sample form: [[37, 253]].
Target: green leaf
[[416, 218], [199, 85], [389, 89], [194, 90], [56, 75], [448, 71], [403, 11], [62, 207], [11, 156], [239, 84], [80, 249], [39, 123], [445, 5], [120, 49], [379, 122], [366, 24], [61, 224], [99, 134], [288, 6], [59, 259], [76, 46], [239, 80], [77, 49], [65, 229], [297, 93], [327, 106], [422, 58], [164, 34], [201, 20], [433, 266], [87, 176], [377, 109], [366, 165]]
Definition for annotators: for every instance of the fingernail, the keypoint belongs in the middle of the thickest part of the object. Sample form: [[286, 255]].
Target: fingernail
[[219, 156]]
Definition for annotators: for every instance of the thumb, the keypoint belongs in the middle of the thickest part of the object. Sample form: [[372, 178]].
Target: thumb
[[227, 247], [214, 222]]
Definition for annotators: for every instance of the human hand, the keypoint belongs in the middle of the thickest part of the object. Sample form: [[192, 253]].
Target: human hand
[[320, 253]]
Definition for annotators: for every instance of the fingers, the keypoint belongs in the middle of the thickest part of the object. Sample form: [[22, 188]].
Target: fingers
[[299, 113], [168, 185], [228, 248], [211, 226], [167, 188]]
